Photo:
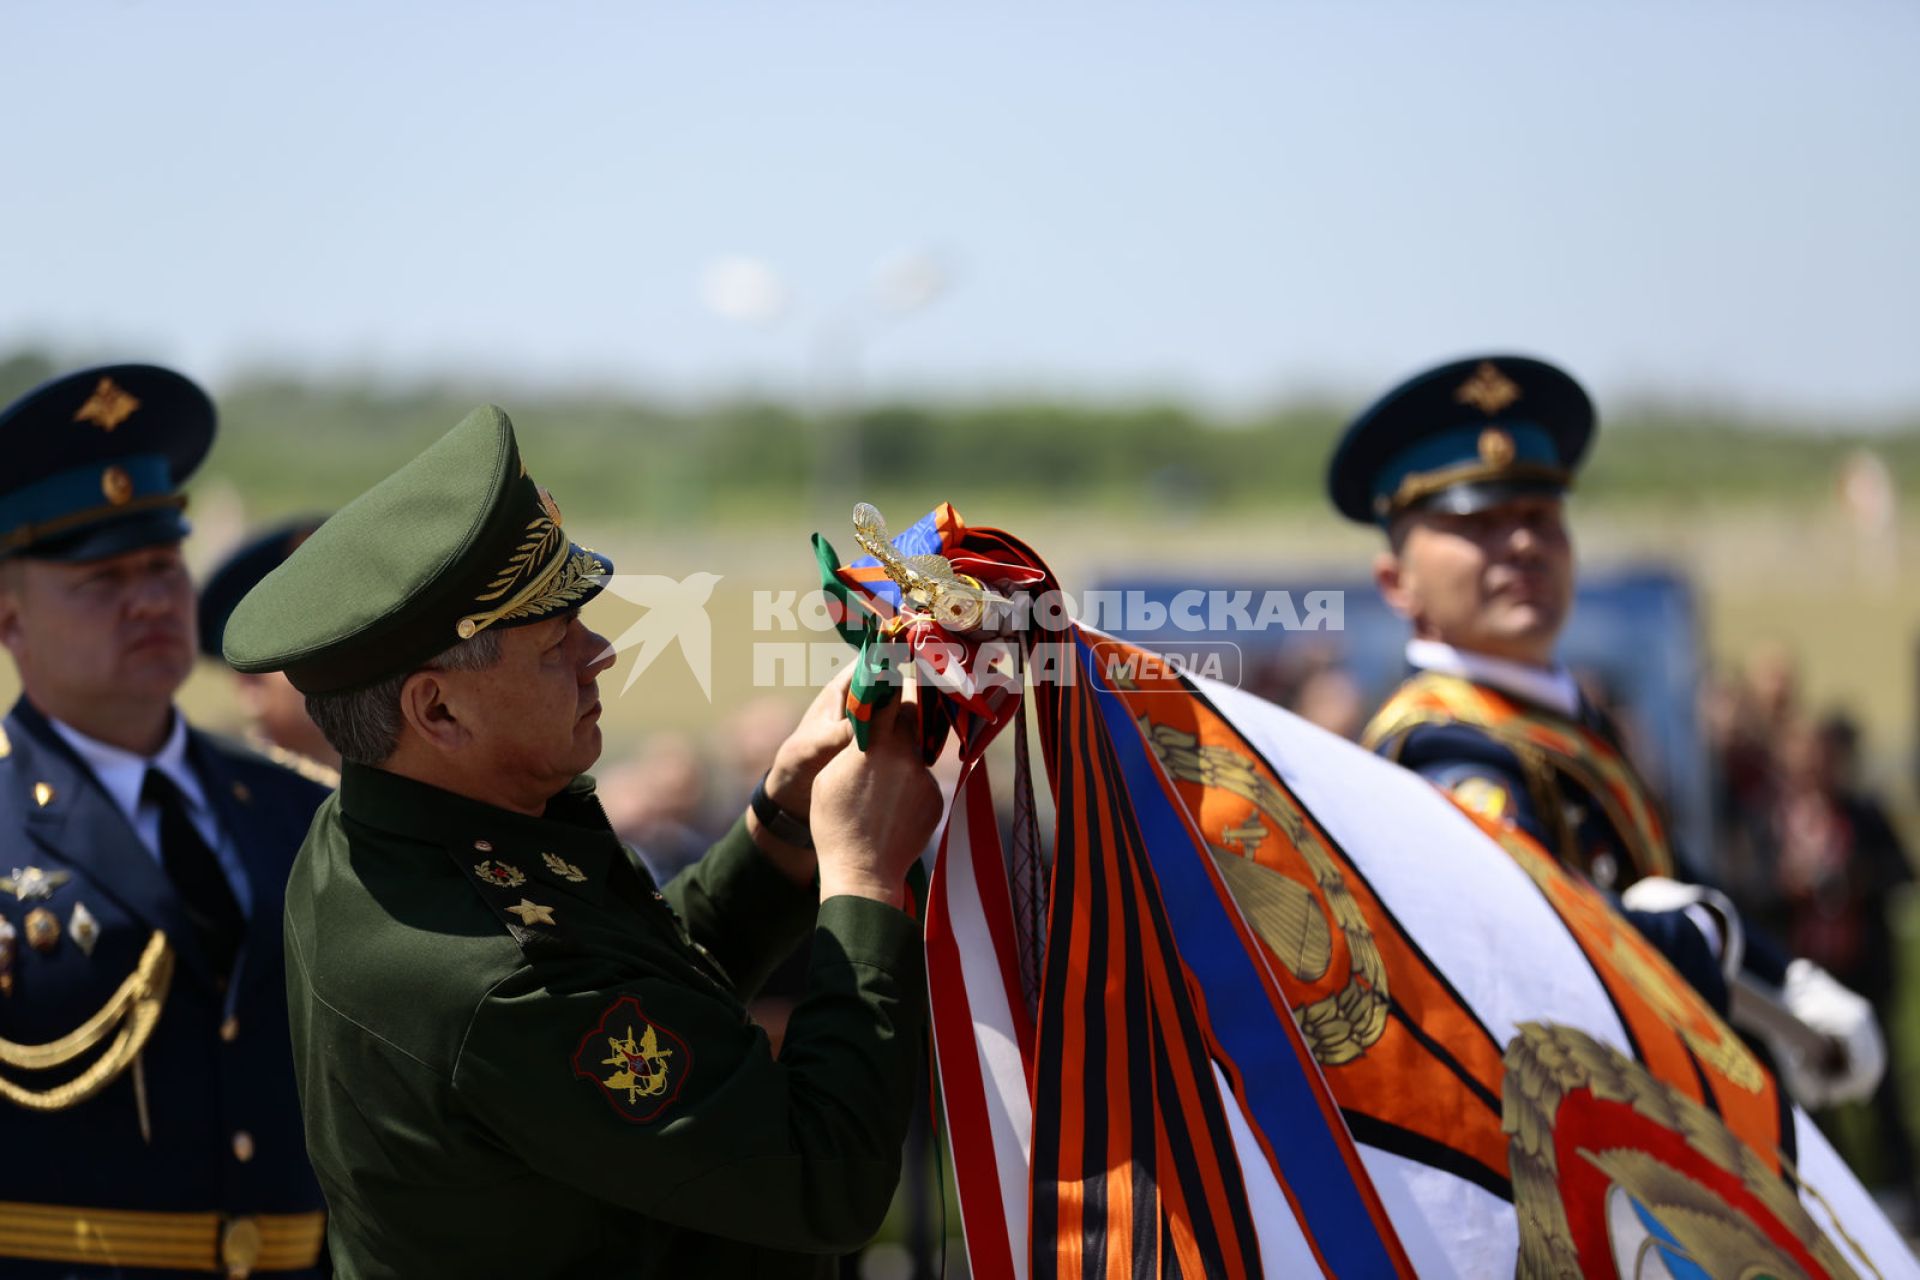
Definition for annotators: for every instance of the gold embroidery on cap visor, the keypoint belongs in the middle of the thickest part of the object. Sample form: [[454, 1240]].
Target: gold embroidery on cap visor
[[543, 575]]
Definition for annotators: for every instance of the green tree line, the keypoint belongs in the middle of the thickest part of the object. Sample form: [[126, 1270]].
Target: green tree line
[[291, 443]]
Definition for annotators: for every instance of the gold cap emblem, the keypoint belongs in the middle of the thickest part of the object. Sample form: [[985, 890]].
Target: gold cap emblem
[[1496, 447], [108, 406], [117, 485], [1488, 390]]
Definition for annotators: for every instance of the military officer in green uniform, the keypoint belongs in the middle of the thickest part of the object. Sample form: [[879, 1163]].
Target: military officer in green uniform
[[1465, 467], [515, 1056]]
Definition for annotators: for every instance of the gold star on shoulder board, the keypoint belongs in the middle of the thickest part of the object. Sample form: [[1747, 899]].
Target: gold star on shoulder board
[[107, 407], [533, 913]]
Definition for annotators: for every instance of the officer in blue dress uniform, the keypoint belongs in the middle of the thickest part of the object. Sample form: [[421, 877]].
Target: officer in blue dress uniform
[[148, 1113], [1465, 468]]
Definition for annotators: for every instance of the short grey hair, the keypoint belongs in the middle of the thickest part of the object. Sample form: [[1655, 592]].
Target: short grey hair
[[363, 724]]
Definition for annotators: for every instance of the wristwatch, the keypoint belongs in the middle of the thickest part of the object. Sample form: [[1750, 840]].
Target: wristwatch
[[778, 822]]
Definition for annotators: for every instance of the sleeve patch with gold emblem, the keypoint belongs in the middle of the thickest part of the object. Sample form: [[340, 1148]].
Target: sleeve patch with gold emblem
[[638, 1065], [1484, 796]]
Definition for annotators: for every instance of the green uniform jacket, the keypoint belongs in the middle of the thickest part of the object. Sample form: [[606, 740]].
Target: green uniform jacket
[[515, 1059]]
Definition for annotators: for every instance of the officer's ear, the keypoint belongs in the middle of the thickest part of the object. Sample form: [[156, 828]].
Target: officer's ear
[[1389, 577], [424, 711], [11, 582]]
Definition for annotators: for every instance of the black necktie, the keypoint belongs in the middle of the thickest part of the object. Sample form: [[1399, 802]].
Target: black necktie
[[196, 873]]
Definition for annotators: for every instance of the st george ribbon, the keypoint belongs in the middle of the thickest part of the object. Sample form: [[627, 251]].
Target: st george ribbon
[[1267, 1005]]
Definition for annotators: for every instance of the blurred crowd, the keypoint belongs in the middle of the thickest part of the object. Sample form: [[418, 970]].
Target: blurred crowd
[[1810, 853]]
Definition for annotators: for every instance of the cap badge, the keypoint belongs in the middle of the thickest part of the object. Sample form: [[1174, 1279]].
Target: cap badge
[[500, 874], [107, 407], [1496, 447], [1488, 390], [117, 485]]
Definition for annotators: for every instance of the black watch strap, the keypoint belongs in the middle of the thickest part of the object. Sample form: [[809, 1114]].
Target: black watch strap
[[778, 822]]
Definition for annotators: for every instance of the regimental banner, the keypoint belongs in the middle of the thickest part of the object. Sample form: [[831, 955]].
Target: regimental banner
[[1290, 1011]]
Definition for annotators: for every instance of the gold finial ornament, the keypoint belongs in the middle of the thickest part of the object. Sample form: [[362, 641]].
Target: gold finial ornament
[[108, 406], [955, 601], [1488, 390]]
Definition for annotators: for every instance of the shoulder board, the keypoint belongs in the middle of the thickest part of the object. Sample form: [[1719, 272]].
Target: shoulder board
[[306, 766], [536, 917], [255, 750]]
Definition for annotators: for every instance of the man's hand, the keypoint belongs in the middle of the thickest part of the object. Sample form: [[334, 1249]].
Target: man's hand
[[821, 734], [874, 810]]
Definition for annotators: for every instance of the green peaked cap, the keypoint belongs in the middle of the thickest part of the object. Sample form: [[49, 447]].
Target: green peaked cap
[[459, 540]]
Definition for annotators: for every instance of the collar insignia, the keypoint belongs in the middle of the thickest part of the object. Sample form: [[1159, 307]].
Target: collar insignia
[[562, 868], [501, 875]]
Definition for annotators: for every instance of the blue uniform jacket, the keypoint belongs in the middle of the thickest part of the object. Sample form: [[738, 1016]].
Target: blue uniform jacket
[[218, 1071], [1462, 759]]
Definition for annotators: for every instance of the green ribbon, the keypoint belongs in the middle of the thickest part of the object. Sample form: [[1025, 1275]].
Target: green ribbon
[[871, 689]]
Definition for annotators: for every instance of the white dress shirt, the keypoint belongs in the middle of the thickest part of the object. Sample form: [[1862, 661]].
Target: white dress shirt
[[1551, 687], [123, 775]]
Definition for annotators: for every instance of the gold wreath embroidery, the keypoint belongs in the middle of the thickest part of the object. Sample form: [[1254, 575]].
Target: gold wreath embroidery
[[535, 548], [1544, 1063], [1340, 1027], [642, 1065]]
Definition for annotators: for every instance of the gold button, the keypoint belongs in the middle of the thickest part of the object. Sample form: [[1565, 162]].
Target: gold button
[[242, 793], [230, 1030], [242, 1146]]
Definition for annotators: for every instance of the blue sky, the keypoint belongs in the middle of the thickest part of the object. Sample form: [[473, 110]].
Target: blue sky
[[1232, 202]]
